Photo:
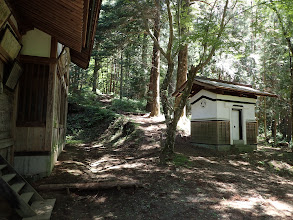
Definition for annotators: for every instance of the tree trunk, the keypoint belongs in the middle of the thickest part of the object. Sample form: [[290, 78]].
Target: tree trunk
[[171, 122], [168, 145], [274, 129], [291, 93], [181, 74], [183, 53], [265, 101], [166, 99], [121, 77], [150, 95], [155, 71], [265, 118], [144, 64], [95, 75]]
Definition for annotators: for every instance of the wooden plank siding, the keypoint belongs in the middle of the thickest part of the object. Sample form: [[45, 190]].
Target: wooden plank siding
[[251, 132], [32, 105], [33, 90], [30, 139], [210, 132], [6, 120]]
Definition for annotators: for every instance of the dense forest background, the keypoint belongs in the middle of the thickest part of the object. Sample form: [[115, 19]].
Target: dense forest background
[[139, 42]]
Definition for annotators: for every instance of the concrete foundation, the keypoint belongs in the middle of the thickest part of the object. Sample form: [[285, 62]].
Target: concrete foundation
[[33, 167], [225, 148]]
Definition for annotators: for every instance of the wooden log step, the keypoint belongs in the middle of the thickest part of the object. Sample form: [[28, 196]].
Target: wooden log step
[[3, 166], [17, 186], [26, 196], [92, 186], [8, 177]]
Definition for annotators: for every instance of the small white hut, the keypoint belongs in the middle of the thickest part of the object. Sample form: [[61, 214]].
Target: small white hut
[[223, 114]]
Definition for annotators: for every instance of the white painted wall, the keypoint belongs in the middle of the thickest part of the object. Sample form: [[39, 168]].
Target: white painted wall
[[36, 43], [207, 112], [222, 110]]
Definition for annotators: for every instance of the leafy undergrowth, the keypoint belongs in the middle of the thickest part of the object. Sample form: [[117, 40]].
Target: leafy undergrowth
[[87, 119], [120, 132], [181, 160], [128, 105]]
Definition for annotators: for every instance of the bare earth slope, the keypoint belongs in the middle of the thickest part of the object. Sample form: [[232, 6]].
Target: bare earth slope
[[206, 186]]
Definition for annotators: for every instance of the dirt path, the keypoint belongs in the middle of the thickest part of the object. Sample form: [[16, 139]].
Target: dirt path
[[244, 186]]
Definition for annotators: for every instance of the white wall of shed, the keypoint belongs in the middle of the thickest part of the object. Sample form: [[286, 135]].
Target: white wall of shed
[[209, 111], [221, 110]]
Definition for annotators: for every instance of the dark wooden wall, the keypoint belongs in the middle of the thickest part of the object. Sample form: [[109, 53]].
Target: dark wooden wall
[[6, 120], [32, 107], [210, 132], [251, 132]]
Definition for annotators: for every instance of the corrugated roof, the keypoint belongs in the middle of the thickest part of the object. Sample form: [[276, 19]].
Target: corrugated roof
[[219, 86], [234, 87]]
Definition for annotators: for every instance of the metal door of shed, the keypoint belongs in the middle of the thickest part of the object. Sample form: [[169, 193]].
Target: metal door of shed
[[236, 124]]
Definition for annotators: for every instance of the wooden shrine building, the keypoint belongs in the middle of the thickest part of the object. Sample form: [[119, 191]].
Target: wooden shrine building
[[223, 114], [38, 40]]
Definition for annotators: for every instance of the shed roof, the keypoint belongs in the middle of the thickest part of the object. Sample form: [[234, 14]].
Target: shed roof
[[72, 23], [223, 87]]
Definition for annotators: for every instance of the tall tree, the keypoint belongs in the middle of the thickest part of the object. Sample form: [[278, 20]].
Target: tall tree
[[210, 43], [183, 17], [154, 88], [285, 26]]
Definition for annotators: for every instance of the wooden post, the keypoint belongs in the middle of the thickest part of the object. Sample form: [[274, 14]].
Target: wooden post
[[51, 97]]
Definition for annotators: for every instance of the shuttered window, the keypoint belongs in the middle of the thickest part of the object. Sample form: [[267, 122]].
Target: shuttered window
[[33, 91]]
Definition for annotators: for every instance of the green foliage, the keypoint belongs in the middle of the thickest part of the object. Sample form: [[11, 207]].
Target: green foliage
[[181, 160], [88, 118], [84, 97], [128, 105]]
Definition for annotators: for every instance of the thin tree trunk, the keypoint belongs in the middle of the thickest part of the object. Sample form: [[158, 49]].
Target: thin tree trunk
[[275, 130], [265, 118], [291, 94], [144, 64], [155, 71], [150, 95], [121, 76], [181, 74], [264, 99], [95, 75]]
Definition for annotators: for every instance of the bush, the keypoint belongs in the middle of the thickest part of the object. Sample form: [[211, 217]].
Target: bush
[[128, 105]]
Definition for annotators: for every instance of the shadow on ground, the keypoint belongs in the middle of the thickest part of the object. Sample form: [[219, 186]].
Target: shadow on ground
[[209, 186]]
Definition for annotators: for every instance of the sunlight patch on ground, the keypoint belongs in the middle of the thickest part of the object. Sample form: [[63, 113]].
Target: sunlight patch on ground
[[74, 172], [203, 159], [238, 163], [226, 187], [97, 146], [71, 162], [117, 167], [149, 147], [119, 142], [104, 159], [280, 165], [101, 199], [268, 206], [201, 198], [151, 128]]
